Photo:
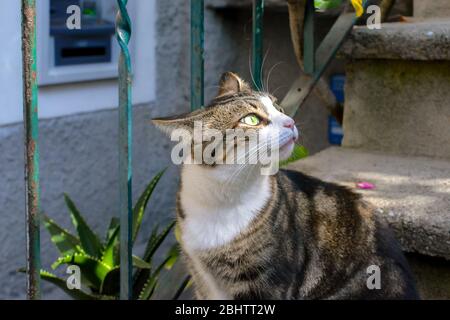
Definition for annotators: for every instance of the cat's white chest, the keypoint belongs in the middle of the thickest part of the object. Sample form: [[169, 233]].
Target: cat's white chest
[[214, 217], [210, 228]]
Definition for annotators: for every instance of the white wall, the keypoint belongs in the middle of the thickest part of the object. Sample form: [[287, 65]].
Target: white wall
[[60, 100]]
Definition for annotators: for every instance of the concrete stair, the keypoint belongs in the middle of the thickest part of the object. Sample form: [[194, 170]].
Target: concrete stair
[[412, 193], [397, 136]]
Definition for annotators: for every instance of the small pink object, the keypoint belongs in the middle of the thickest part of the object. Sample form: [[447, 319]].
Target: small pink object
[[365, 185]]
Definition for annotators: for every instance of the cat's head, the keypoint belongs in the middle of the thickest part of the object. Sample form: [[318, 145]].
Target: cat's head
[[238, 122]]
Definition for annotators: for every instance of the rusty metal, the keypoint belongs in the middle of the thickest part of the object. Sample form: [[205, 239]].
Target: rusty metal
[[30, 120]]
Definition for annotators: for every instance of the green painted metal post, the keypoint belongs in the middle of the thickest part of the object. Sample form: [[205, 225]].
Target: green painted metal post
[[30, 120], [123, 31], [257, 45], [197, 54], [309, 50]]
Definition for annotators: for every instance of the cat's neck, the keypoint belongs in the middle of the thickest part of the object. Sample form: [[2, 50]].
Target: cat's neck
[[217, 205], [225, 185]]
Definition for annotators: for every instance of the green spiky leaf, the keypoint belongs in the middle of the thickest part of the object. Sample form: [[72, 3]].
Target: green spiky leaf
[[140, 277], [152, 282], [91, 268], [110, 255], [155, 241], [173, 255], [141, 205], [111, 283], [90, 242], [112, 227], [66, 242], [141, 264], [298, 153], [62, 284], [186, 283]]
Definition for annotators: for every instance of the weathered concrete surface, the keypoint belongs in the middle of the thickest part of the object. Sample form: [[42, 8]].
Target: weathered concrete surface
[[398, 106], [412, 193], [415, 40], [432, 8]]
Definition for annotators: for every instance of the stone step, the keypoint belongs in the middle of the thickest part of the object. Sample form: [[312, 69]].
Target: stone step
[[412, 193], [397, 97], [432, 8], [416, 39]]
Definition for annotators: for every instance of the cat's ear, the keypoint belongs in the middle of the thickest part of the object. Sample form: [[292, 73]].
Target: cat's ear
[[184, 122], [230, 83]]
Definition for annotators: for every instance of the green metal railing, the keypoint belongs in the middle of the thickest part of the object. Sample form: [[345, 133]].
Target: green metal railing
[[30, 92], [257, 44], [315, 63], [30, 120], [123, 31], [197, 53]]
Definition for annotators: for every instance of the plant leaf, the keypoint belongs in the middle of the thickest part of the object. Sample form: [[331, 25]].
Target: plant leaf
[[112, 226], [155, 242], [139, 263], [140, 277], [139, 209], [91, 268], [89, 240], [62, 284], [111, 283], [173, 255], [66, 242], [187, 282], [298, 153], [152, 282], [110, 255]]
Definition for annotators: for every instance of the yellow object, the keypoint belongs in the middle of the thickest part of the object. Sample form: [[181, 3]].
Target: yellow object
[[177, 233], [358, 5]]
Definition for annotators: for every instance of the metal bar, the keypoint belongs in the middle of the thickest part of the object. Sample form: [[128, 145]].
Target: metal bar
[[257, 44], [30, 120], [309, 50], [197, 54], [123, 32]]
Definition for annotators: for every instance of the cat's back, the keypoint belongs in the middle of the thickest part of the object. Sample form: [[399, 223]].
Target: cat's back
[[347, 235]]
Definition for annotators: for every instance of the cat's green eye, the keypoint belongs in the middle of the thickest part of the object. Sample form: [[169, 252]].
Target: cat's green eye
[[251, 120]]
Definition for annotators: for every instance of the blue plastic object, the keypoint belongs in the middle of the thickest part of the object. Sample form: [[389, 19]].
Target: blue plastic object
[[335, 132]]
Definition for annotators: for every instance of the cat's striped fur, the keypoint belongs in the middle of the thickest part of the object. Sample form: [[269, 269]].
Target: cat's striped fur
[[312, 240], [287, 236]]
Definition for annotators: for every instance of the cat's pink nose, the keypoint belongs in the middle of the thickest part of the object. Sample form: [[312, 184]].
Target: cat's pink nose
[[289, 123]]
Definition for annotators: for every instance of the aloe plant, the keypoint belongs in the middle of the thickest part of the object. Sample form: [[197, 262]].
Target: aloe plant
[[98, 259]]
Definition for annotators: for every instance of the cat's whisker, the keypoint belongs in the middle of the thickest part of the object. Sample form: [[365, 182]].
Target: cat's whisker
[[270, 72], [278, 88], [261, 72], [250, 67]]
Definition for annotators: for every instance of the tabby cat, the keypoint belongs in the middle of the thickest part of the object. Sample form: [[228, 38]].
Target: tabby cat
[[247, 235]]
